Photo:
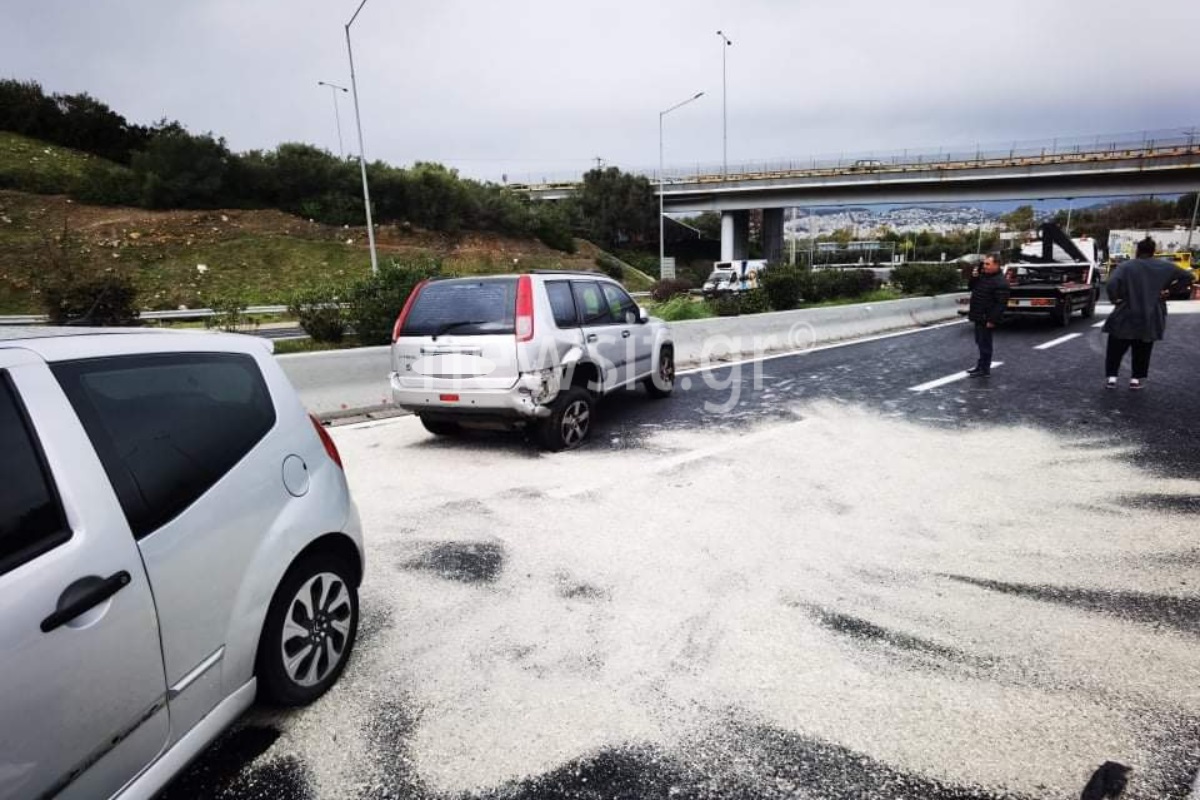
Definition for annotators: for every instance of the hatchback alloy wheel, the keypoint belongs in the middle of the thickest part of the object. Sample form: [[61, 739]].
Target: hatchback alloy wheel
[[317, 629]]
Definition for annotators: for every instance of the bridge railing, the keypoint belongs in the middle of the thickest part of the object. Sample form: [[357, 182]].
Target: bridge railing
[[1113, 145]]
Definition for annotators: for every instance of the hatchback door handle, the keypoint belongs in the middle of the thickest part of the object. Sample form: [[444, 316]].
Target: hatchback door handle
[[82, 595], [624, 334], [592, 337]]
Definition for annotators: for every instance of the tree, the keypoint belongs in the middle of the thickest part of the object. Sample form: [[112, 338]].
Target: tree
[[708, 223], [180, 170], [617, 208], [1020, 218]]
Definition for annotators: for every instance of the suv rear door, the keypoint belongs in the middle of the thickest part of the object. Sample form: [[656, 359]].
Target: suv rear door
[[459, 334], [601, 332], [82, 689]]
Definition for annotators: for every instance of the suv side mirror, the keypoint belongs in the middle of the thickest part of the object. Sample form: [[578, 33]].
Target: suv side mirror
[[643, 315]]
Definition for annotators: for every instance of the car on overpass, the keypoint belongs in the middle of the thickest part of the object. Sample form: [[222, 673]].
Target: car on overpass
[[534, 351]]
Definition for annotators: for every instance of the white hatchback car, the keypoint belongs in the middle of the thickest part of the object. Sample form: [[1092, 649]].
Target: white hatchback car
[[176, 534]]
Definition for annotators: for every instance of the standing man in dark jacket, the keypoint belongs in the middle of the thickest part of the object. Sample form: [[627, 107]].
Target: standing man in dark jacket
[[1139, 315], [989, 299]]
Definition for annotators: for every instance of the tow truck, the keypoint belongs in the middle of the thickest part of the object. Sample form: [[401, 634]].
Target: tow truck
[[1055, 277]]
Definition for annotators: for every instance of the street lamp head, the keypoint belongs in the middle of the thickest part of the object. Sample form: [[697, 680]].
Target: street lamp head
[[698, 95], [728, 41]]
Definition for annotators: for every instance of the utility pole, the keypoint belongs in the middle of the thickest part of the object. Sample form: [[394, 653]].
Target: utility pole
[[362, 156], [724, 106], [1191, 230], [793, 258], [662, 242]]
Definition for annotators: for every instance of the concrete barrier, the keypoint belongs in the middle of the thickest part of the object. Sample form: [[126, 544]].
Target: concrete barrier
[[706, 340], [345, 382]]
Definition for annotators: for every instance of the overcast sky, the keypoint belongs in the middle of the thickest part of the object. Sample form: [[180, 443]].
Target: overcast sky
[[534, 88]]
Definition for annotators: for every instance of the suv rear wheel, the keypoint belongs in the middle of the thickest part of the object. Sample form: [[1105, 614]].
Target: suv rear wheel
[[662, 382], [569, 422], [309, 632]]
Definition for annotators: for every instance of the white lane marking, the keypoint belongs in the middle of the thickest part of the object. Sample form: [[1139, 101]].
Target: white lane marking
[[1099, 324], [1058, 341], [833, 346], [958, 376]]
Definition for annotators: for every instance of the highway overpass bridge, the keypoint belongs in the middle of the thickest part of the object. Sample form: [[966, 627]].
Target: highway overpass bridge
[[1161, 162]]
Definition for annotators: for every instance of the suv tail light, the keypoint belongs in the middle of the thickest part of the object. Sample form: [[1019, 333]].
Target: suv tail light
[[524, 308], [408, 304], [327, 440]]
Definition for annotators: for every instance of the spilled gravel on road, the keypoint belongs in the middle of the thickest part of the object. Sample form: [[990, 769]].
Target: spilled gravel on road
[[838, 606]]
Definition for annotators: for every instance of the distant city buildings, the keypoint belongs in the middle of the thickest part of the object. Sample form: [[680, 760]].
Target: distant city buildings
[[868, 222]]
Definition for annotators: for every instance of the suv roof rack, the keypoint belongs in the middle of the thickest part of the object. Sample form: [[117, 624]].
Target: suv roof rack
[[564, 272]]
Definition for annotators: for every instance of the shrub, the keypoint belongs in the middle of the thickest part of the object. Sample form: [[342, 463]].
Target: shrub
[[102, 300], [229, 314], [106, 185], [783, 286], [377, 300], [667, 288], [754, 302], [320, 313], [610, 266], [927, 279], [864, 281], [551, 227], [727, 305], [682, 307]]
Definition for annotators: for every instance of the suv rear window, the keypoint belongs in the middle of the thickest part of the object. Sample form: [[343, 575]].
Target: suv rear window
[[168, 426], [31, 520], [464, 308]]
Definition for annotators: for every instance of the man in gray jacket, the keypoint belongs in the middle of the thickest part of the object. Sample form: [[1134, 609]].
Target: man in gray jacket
[[1139, 315]]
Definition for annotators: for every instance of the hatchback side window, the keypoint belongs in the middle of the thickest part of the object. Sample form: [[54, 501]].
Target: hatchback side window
[[620, 305], [31, 518], [562, 304], [591, 303], [168, 426]]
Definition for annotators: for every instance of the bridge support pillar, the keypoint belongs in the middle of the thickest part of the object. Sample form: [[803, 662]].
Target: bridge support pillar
[[735, 235], [772, 235]]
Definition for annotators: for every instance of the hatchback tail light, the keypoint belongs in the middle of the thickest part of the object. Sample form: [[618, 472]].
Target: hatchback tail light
[[327, 441], [408, 304], [524, 308]]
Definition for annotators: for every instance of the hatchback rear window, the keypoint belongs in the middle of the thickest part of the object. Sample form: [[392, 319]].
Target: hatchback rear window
[[167, 427], [463, 308]]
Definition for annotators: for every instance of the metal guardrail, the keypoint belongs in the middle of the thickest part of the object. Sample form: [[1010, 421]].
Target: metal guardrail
[[1143, 144], [182, 313]]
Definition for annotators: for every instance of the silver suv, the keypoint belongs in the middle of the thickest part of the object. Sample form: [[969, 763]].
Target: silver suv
[[533, 351], [176, 534]]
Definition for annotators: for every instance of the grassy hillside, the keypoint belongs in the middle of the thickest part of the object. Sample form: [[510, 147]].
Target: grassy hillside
[[36, 166], [191, 258]]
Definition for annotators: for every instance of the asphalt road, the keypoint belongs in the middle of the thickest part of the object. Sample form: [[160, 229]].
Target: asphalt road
[[1060, 388], [847, 573]]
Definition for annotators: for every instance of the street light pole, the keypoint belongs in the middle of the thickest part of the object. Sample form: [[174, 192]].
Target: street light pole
[[1191, 230], [333, 90], [362, 158], [662, 242], [724, 107]]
